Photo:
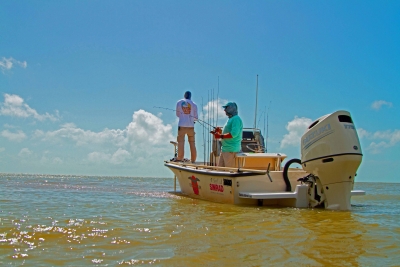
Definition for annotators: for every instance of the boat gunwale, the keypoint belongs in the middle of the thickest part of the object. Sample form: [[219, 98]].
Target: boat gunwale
[[208, 171]]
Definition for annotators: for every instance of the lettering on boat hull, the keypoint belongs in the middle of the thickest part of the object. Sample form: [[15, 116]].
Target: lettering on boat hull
[[216, 185]]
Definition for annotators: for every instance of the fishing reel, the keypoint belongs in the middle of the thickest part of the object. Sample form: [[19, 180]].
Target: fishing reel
[[216, 130]]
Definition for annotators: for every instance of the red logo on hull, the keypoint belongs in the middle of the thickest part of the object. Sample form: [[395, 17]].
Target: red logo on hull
[[195, 184]]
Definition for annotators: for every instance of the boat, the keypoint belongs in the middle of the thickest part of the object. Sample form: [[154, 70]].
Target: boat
[[324, 178]]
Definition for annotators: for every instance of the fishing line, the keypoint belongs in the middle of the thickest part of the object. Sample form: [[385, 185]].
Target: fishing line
[[189, 116]]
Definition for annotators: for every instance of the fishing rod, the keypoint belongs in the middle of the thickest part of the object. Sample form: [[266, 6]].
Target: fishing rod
[[189, 116]]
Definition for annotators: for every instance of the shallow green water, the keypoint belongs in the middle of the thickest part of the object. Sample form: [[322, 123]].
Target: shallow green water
[[112, 221]]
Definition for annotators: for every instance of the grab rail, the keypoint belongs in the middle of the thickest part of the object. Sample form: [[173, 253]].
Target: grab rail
[[218, 168]]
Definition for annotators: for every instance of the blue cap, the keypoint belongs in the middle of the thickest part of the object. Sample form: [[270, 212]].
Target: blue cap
[[230, 104], [188, 95], [230, 109]]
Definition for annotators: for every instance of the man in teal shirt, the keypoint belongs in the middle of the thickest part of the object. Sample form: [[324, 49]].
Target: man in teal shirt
[[231, 136]]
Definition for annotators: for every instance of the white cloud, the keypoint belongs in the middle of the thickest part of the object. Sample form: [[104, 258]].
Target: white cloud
[[148, 129], [296, 129], [70, 131], [213, 110], [25, 152], [2, 149], [8, 63], [146, 139], [380, 139], [9, 126], [16, 137], [14, 106], [99, 157], [118, 157], [57, 160], [379, 103], [145, 129], [362, 133], [48, 159], [376, 148]]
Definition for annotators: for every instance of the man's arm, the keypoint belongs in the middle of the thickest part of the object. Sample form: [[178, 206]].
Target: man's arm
[[177, 110], [237, 128], [195, 116]]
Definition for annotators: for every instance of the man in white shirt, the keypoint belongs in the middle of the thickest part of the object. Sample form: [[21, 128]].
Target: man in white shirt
[[186, 110]]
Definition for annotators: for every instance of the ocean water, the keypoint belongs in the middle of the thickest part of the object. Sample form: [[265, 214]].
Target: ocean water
[[53, 220]]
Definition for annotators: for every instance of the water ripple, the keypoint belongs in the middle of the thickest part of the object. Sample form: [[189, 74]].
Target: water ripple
[[50, 220]]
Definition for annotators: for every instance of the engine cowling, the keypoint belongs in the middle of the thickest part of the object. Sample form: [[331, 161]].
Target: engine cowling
[[331, 151]]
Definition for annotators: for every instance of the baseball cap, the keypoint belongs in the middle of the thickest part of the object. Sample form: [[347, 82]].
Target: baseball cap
[[229, 104]]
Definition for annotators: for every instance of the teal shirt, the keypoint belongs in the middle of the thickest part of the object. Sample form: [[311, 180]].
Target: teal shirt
[[234, 125]]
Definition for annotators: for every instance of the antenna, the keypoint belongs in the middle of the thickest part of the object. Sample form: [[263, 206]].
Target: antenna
[[208, 119], [266, 137], [213, 105], [255, 115], [204, 141], [265, 143], [217, 102]]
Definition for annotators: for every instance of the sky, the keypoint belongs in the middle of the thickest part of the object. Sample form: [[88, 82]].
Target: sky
[[89, 87]]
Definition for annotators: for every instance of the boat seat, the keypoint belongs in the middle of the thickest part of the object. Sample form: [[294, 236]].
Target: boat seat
[[261, 161]]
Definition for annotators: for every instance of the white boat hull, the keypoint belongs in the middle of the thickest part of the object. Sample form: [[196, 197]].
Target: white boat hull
[[236, 187]]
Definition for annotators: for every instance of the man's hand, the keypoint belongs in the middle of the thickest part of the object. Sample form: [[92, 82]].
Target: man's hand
[[217, 135], [222, 136], [216, 130]]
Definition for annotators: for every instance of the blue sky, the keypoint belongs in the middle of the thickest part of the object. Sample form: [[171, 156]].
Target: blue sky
[[80, 80]]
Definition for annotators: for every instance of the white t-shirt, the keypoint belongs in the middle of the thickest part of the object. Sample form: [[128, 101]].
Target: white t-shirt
[[186, 110]]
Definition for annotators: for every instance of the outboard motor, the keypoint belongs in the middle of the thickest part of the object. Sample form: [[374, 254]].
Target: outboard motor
[[331, 153]]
